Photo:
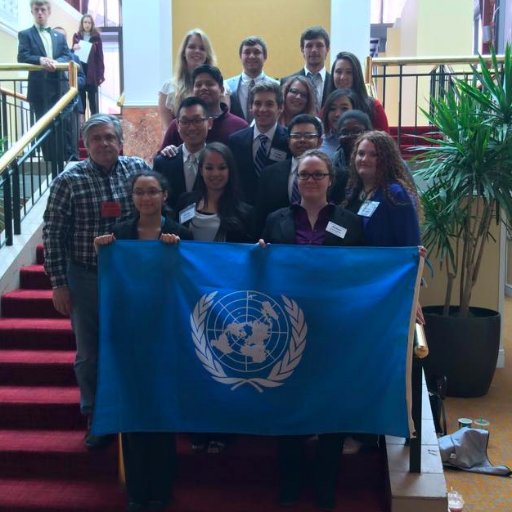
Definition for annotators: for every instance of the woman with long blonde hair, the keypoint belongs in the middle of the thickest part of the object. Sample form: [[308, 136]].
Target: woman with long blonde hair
[[194, 50]]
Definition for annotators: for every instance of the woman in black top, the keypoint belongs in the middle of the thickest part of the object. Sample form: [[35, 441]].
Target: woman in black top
[[314, 221], [213, 212], [149, 457]]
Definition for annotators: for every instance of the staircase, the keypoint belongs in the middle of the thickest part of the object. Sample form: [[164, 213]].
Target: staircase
[[44, 466]]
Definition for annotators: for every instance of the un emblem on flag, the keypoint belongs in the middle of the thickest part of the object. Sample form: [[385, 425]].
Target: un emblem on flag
[[247, 337]]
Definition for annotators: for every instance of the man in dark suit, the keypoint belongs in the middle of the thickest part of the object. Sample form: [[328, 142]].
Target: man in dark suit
[[42, 46], [314, 46], [181, 169], [266, 142], [277, 186]]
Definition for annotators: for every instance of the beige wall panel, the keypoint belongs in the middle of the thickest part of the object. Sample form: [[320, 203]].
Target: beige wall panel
[[227, 22], [487, 291]]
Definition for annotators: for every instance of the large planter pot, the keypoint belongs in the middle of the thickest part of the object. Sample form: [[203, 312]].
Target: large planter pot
[[463, 349]]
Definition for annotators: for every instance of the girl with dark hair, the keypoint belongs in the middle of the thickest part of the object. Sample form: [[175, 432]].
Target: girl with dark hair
[[149, 457], [214, 212], [299, 98], [380, 189], [346, 72], [336, 104], [94, 68]]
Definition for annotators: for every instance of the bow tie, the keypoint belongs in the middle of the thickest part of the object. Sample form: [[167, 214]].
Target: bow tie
[[45, 29]]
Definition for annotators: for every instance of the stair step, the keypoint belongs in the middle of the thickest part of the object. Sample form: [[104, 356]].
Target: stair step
[[55, 454], [32, 277], [37, 367], [47, 495], [29, 304], [40, 254], [40, 407], [36, 333]]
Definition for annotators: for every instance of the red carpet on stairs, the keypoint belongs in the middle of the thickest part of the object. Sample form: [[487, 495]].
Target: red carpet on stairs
[[44, 466]]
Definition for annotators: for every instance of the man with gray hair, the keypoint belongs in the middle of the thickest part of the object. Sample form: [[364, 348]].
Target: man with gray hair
[[85, 201]]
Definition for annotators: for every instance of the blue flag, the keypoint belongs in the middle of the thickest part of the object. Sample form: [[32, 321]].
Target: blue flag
[[219, 337]]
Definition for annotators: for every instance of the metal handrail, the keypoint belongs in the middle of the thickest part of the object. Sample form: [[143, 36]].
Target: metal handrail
[[42, 124], [13, 94], [414, 61]]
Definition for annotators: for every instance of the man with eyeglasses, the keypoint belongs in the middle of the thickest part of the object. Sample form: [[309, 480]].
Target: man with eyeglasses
[[180, 170], [314, 46], [85, 201], [209, 86], [278, 182], [253, 54]]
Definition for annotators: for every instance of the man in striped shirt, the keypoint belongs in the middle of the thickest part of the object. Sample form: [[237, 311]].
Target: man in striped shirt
[[85, 201]]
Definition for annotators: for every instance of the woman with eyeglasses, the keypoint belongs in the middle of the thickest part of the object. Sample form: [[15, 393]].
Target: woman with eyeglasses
[[336, 104], [149, 457], [346, 73], [314, 221], [299, 98]]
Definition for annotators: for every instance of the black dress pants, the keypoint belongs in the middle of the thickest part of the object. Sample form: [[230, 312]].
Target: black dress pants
[[150, 464]]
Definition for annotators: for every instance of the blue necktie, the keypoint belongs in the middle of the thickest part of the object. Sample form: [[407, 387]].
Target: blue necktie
[[260, 160], [316, 79], [295, 199]]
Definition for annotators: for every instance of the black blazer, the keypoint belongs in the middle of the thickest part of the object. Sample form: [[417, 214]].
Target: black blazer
[[127, 230], [272, 191], [327, 83], [174, 172], [242, 233], [280, 227], [240, 144], [235, 107], [43, 85]]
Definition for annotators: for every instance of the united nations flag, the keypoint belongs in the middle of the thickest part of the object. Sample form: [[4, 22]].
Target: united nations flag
[[247, 337], [208, 337]]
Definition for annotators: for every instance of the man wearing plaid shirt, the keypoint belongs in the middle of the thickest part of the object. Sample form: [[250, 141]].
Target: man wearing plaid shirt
[[85, 201]]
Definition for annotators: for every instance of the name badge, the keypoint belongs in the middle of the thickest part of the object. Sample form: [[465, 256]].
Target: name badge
[[277, 155], [111, 209], [336, 229], [187, 213], [368, 208]]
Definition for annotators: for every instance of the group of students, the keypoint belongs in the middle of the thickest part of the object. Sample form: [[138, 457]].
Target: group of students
[[222, 178], [380, 208]]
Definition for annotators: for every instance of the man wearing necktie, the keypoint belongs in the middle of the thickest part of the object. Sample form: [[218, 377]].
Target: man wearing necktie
[[262, 144], [253, 55], [180, 170], [314, 46], [42, 46]]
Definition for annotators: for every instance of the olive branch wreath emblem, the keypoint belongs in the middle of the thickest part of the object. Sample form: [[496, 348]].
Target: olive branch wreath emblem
[[280, 371]]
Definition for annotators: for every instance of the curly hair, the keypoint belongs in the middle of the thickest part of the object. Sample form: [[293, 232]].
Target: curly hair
[[390, 168]]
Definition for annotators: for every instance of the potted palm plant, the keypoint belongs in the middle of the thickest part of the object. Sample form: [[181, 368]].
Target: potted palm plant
[[469, 187]]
